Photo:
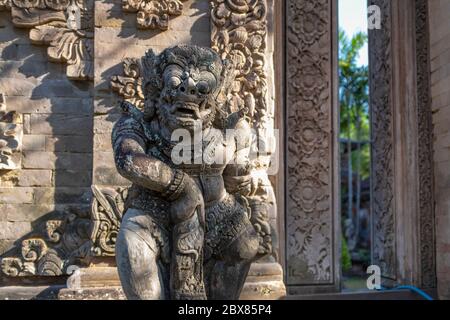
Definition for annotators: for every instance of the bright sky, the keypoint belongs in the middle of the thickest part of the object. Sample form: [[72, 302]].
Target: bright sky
[[353, 18]]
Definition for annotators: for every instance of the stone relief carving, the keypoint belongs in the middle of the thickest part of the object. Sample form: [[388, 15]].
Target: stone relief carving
[[239, 31], [382, 180], [425, 153], [11, 133], [309, 209], [129, 85], [59, 245], [73, 240], [65, 26], [153, 14], [239, 34], [106, 214]]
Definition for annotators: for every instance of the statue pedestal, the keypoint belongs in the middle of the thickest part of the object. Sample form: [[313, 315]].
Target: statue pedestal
[[264, 282]]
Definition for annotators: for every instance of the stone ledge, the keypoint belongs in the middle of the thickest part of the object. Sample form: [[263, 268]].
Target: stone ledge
[[264, 282], [109, 293], [29, 293]]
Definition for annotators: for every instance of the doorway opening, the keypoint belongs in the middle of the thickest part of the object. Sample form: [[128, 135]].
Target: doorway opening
[[355, 144]]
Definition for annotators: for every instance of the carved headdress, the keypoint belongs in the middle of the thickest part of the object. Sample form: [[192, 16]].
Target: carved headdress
[[153, 67]]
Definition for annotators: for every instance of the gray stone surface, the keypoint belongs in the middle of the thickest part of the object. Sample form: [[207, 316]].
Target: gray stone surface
[[440, 89], [56, 168]]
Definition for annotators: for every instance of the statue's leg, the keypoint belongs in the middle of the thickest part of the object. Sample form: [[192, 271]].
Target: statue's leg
[[137, 261], [227, 275], [186, 275], [226, 281]]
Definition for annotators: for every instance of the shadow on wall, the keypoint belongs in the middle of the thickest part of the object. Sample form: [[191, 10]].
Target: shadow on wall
[[129, 28], [53, 185]]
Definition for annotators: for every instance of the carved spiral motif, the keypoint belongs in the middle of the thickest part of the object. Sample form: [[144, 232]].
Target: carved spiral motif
[[33, 249], [153, 14], [11, 267], [70, 45], [57, 4], [106, 210]]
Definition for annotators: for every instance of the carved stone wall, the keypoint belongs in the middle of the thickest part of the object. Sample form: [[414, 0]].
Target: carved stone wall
[[66, 27], [440, 91], [153, 14], [68, 227], [59, 246], [425, 144], [54, 166], [312, 259]]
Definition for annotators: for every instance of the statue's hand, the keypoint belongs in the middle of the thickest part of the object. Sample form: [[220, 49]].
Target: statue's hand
[[244, 185], [189, 202]]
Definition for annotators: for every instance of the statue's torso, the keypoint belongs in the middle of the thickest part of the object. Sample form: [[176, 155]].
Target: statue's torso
[[205, 167]]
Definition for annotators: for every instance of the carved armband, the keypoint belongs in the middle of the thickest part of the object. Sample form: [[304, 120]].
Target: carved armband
[[176, 187]]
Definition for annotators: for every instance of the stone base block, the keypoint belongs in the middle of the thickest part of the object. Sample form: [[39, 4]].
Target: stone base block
[[264, 282]]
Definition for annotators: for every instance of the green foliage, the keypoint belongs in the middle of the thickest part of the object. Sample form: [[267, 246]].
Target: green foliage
[[364, 171], [346, 260], [354, 98], [364, 256]]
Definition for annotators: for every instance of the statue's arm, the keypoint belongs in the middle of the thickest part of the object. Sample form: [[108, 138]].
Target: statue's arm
[[131, 160], [237, 174]]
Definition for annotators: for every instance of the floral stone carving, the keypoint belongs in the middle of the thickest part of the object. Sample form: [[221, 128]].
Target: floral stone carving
[[106, 214], [11, 133], [310, 175], [153, 14], [60, 245], [65, 26], [239, 34]]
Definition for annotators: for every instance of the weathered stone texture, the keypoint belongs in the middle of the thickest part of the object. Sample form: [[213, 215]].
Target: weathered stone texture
[[440, 82], [56, 157], [16, 195], [35, 178], [56, 160]]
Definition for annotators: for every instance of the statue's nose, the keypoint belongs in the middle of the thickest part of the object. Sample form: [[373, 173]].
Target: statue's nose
[[189, 87]]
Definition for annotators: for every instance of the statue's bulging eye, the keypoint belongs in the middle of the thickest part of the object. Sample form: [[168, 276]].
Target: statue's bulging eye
[[203, 87], [174, 82]]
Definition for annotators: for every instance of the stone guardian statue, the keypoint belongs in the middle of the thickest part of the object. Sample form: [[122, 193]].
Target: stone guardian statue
[[186, 232]]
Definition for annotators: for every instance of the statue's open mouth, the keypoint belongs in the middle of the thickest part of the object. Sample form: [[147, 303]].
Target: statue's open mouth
[[188, 110]]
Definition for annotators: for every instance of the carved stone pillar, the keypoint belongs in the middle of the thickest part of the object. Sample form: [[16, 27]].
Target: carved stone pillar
[[312, 197], [402, 176]]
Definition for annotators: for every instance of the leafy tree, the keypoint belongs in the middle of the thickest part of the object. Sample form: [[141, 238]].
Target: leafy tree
[[354, 112]]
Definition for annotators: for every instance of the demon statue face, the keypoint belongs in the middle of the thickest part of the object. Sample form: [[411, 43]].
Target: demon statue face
[[182, 85]]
